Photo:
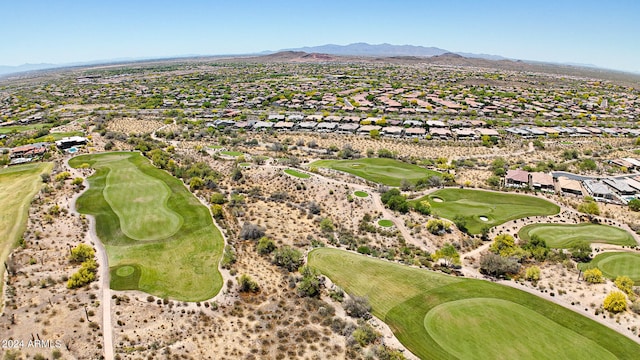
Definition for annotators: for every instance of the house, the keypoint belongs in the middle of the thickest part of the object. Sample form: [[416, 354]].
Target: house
[[315, 117], [621, 187], [633, 183], [440, 133], [284, 125], [488, 132], [436, 123], [598, 190], [348, 128], [569, 186], [516, 178], [413, 123], [415, 132], [220, 123], [28, 151], [307, 125], [464, 133], [68, 142], [541, 181], [296, 118], [634, 162], [366, 129], [262, 125], [393, 131], [275, 117], [326, 126]]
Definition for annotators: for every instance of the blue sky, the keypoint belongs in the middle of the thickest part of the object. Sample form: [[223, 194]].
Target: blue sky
[[602, 33]]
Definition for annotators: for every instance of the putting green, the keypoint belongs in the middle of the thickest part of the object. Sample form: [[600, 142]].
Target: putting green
[[231, 153], [380, 170], [297, 174], [614, 264], [486, 208], [361, 194], [460, 327], [18, 185], [150, 222], [443, 317], [385, 223], [568, 235]]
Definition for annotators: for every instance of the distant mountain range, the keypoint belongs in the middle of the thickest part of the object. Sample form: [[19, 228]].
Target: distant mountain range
[[387, 50], [4, 69]]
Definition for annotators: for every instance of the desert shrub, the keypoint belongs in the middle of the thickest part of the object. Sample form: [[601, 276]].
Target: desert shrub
[[251, 232], [365, 334], [265, 246], [496, 265], [81, 253], [532, 273], [310, 284], [625, 284], [246, 284], [581, 251], [84, 276], [287, 258], [228, 257], [217, 198], [615, 302], [593, 276], [438, 226], [326, 225], [357, 306]]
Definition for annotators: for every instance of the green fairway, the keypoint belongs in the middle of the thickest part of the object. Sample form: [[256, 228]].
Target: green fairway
[[18, 186], [614, 264], [486, 208], [231, 153], [385, 223], [568, 235], [158, 236], [361, 194], [22, 128], [297, 174], [380, 170], [443, 317]]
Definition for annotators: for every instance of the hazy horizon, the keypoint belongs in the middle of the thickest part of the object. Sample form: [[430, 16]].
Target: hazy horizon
[[580, 32]]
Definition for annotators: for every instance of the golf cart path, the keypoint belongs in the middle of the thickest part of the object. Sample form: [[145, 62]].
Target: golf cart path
[[103, 268]]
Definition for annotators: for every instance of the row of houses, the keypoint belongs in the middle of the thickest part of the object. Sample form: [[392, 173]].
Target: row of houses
[[533, 132], [30, 152], [613, 190], [356, 128]]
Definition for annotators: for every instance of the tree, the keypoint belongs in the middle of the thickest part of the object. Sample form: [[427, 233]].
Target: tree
[[634, 205], [593, 276], [495, 265], [77, 182], [311, 282], [625, 284], [423, 207], [438, 226], [615, 302], [236, 174], [581, 251], [288, 258], [246, 284], [503, 244], [326, 225], [265, 246], [81, 253], [365, 334], [217, 198], [251, 232], [493, 181], [216, 211], [196, 183], [357, 307], [532, 273], [449, 254], [536, 248]]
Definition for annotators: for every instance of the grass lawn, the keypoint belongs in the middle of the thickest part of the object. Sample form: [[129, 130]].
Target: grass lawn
[[443, 317], [231, 153], [385, 223], [614, 264], [215, 146], [245, 164], [18, 185], [21, 128], [380, 170], [486, 208], [152, 227], [361, 194], [297, 174], [567, 235]]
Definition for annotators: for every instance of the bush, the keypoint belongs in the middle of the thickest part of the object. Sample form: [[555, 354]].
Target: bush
[[365, 334], [228, 257], [634, 205], [581, 251], [625, 284], [423, 207], [217, 211], [251, 232], [496, 265], [357, 307], [217, 198], [593, 276], [246, 284], [437, 226], [503, 244], [532, 273], [615, 302], [265, 246], [310, 284], [288, 258], [84, 276], [81, 253], [326, 225]]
